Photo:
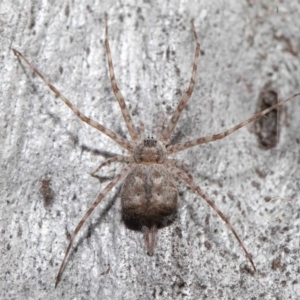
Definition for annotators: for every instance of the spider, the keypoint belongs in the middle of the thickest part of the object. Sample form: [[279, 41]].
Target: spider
[[149, 192]]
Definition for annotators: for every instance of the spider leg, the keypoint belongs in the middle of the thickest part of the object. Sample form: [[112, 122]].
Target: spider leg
[[179, 165], [141, 130], [118, 158], [170, 127], [197, 189], [182, 146], [131, 128], [118, 139], [160, 127], [119, 177]]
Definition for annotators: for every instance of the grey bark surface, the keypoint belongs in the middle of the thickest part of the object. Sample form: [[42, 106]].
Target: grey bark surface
[[245, 46]]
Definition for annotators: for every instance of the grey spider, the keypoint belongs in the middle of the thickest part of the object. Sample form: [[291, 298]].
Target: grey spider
[[149, 192]]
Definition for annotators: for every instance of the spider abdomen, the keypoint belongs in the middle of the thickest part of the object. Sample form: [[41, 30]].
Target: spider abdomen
[[149, 194]]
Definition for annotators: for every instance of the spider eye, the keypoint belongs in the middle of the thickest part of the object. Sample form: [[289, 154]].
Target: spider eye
[[150, 142]]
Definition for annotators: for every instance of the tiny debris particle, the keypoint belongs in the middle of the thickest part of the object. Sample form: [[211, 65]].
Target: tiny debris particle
[[278, 265]]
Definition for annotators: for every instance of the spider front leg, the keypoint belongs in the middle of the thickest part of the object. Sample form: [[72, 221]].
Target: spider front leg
[[141, 130], [170, 127], [129, 123], [117, 179], [203, 140], [117, 138], [183, 176]]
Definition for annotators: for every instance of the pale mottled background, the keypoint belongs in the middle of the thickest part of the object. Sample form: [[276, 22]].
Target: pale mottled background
[[245, 46]]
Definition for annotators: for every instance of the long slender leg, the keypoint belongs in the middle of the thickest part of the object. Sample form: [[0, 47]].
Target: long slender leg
[[169, 129], [131, 128], [118, 139], [160, 127], [119, 177], [179, 165], [197, 189], [179, 147], [118, 158], [141, 130]]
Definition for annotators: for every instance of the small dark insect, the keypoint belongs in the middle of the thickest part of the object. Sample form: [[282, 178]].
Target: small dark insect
[[149, 193], [47, 193], [267, 129]]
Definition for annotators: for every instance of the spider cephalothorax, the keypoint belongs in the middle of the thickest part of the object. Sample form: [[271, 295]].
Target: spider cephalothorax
[[149, 150]]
